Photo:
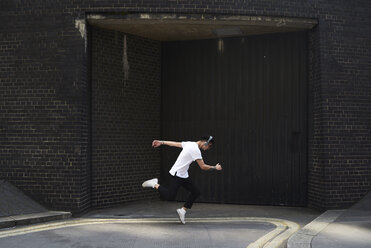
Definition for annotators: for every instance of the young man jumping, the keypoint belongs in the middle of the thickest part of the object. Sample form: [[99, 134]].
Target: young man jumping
[[179, 172]]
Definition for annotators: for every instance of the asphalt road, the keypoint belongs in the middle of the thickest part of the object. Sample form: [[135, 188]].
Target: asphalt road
[[139, 235], [155, 224]]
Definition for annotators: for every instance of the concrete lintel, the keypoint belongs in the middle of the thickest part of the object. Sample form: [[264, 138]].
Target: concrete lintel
[[170, 27], [145, 18]]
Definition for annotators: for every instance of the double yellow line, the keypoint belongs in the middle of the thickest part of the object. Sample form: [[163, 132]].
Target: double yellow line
[[276, 238]]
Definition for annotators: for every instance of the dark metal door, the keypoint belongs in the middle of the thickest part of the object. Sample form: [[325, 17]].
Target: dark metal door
[[250, 94]]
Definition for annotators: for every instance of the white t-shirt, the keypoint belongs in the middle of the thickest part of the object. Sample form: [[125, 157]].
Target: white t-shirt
[[190, 153]]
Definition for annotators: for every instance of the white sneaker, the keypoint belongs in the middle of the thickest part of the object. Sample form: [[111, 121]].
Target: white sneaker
[[150, 183], [181, 213]]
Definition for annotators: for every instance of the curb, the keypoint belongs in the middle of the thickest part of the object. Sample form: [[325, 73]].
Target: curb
[[278, 237], [26, 219], [303, 238]]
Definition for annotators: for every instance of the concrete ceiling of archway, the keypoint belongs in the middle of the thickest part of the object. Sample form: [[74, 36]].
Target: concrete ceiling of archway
[[172, 27]]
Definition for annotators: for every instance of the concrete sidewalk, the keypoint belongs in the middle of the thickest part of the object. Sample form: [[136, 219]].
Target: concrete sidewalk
[[349, 228], [18, 209], [15, 202], [27, 219]]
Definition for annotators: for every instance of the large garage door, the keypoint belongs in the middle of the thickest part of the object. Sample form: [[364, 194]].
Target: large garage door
[[250, 94]]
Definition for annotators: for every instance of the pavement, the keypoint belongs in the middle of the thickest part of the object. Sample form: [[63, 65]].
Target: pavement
[[348, 228], [17, 209], [155, 224], [14, 202]]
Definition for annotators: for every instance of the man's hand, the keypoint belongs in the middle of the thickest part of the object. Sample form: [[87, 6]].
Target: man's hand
[[156, 143], [218, 167]]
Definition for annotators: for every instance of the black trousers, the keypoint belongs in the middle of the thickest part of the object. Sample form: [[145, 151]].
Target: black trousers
[[170, 192]]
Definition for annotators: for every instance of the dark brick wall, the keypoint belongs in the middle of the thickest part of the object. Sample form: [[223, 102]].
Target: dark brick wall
[[44, 118], [125, 116], [340, 108], [315, 172], [44, 108]]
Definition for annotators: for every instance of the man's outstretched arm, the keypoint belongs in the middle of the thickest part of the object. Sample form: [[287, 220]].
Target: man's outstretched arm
[[204, 166], [157, 143]]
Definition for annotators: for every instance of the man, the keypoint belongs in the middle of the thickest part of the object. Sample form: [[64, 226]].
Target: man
[[179, 172]]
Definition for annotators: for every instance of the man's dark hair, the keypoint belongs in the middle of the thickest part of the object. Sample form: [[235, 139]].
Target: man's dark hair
[[209, 139]]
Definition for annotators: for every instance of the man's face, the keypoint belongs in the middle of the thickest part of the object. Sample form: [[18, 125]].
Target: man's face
[[206, 147]]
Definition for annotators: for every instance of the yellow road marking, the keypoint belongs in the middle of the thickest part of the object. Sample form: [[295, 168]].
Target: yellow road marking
[[274, 239]]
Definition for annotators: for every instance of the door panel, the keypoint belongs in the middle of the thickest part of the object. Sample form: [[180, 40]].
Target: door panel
[[250, 94]]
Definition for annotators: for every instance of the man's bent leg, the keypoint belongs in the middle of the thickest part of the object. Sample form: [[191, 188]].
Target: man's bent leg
[[170, 192], [194, 193]]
